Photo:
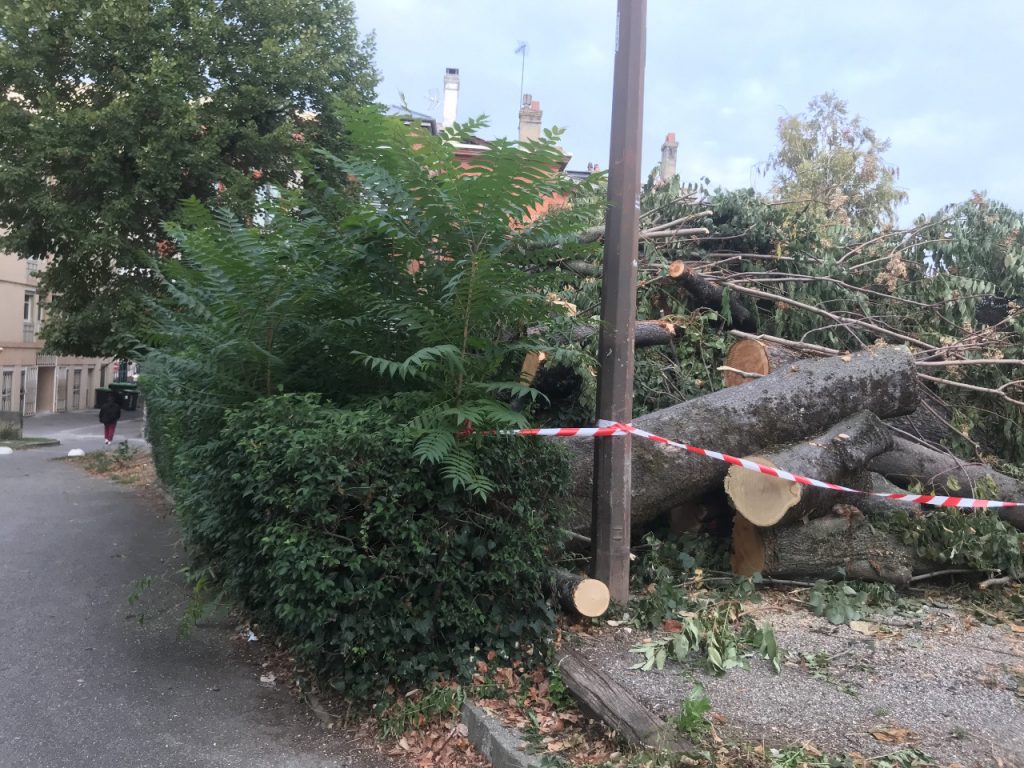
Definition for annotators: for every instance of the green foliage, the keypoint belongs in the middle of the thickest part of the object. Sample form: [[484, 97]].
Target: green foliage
[[832, 165], [374, 570], [115, 110], [419, 708], [819, 665], [690, 720], [717, 631], [321, 391], [845, 601], [978, 540], [327, 301]]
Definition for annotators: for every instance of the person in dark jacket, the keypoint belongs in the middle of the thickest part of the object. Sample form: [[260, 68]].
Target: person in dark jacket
[[110, 412]]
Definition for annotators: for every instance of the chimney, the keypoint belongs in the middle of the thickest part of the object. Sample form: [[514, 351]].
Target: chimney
[[450, 105], [529, 119], [668, 157]]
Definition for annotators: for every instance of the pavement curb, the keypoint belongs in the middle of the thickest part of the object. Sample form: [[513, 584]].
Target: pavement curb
[[19, 445], [500, 745]]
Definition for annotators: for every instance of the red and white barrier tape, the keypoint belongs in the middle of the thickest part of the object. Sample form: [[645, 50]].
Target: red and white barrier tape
[[615, 429]]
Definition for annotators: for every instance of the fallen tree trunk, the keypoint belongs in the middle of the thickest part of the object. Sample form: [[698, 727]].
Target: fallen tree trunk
[[842, 545], [946, 475], [837, 456], [649, 333], [609, 701], [786, 407], [876, 506], [578, 595], [709, 295]]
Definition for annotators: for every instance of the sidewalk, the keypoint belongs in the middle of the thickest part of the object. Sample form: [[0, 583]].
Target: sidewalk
[[84, 684], [82, 429]]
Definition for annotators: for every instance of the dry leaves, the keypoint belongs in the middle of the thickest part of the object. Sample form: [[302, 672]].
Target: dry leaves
[[894, 735]]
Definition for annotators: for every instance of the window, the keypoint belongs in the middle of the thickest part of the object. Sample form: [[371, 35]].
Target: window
[[27, 314], [7, 391]]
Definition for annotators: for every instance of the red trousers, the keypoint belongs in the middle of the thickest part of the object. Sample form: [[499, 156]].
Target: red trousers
[[108, 430]]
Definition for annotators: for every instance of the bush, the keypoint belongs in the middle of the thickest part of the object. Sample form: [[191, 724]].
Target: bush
[[370, 565]]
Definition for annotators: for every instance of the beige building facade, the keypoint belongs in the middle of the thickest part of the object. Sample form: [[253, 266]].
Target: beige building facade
[[31, 381]]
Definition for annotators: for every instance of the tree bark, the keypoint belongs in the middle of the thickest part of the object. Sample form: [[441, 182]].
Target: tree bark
[[649, 333], [579, 596], [946, 475], [786, 407], [709, 295], [837, 456], [877, 507], [840, 545], [610, 702]]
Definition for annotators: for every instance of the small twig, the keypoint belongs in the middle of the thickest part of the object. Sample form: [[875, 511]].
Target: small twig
[[850, 321], [801, 345], [996, 582], [947, 572], [651, 234], [573, 536], [970, 361], [745, 374], [998, 391]]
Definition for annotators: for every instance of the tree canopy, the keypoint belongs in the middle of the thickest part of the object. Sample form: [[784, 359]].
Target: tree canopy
[[834, 163], [115, 110]]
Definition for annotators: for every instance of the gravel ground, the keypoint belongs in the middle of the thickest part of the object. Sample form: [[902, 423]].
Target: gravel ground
[[951, 682]]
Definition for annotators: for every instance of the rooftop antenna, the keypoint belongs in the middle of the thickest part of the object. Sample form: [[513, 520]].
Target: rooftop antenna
[[433, 99], [521, 51]]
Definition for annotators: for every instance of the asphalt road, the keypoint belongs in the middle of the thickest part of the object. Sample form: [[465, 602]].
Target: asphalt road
[[84, 685]]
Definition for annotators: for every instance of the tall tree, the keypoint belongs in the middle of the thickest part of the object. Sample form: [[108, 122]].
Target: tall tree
[[835, 164], [112, 111]]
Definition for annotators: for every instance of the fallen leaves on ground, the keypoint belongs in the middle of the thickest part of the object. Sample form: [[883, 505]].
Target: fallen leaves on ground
[[894, 735], [440, 745]]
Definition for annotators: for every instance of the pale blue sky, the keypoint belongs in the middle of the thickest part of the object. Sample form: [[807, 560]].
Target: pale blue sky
[[942, 80]]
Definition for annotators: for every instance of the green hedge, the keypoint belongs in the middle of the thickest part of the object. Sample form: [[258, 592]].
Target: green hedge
[[367, 562]]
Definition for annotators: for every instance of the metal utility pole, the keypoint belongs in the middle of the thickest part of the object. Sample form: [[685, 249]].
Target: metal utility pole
[[613, 455]]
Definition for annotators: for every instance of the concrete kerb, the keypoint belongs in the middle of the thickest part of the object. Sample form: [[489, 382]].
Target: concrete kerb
[[495, 742]]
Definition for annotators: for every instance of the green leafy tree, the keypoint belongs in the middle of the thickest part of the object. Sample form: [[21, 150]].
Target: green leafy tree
[[835, 164], [113, 111], [309, 381]]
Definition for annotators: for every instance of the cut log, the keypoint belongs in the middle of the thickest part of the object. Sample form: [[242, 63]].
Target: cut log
[[942, 474], [784, 408], [841, 545], [875, 506], [649, 333], [837, 456], [578, 595], [709, 295], [612, 703], [758, 357]]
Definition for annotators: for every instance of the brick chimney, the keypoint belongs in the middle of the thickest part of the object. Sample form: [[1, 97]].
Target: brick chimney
[[668, 157], [529, 119], [450, 104]]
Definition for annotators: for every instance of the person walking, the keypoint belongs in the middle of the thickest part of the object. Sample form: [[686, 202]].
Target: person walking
[[110, 412]]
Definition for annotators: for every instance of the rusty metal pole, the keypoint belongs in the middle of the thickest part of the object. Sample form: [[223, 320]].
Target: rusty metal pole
[[612, 455]]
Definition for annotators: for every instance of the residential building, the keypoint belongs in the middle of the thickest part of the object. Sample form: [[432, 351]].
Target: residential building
[[30, 380]]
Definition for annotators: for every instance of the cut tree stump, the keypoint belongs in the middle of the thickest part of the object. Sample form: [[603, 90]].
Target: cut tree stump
[[613, 704], [840, 545], [783, 408], [578, 595], [836, 456], [756, 357], [946, 475]]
